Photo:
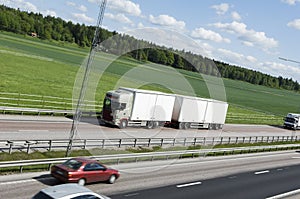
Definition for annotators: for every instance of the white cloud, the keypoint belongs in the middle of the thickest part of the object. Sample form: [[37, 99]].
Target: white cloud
[[294, 24], [201, 33], [290, 2], [221, 8], [21, 4], [166, 20], [119, 17], [279, 69], [81, 17], [82, 8], [236, 16], [49, 13], [124, 6], [249, 37], [235, 58]]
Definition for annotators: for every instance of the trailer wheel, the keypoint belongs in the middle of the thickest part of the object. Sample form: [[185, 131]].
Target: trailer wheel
[[181, 125], [187, 125], [155, 124], [150, 125], [123, 124], [210, 126]]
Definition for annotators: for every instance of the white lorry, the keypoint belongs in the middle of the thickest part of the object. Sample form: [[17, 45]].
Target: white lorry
[[135, 107], [292, 121], [194, 112]]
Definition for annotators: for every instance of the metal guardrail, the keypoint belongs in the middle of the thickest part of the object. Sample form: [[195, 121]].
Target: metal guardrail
[[55, 144], [21, 103], [117, 158]]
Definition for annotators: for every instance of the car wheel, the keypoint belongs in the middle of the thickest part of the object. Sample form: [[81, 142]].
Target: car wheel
[[112, 179], [81, 181]]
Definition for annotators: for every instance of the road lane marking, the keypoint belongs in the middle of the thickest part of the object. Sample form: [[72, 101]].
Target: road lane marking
[[17, 182], [131, 194], [188, 184], [284, 195], [261, 172], [295, 157], [33, 130]]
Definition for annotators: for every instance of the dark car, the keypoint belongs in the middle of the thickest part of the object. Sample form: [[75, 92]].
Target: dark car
[[83, 170]]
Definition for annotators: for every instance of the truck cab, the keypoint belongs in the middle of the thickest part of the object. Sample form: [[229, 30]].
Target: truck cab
[[291, 121], [116, 108]]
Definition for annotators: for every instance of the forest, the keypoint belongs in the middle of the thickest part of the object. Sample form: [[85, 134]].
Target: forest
[[53, 28]]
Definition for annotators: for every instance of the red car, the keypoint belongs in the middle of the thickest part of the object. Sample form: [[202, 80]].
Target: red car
[[83, 170]]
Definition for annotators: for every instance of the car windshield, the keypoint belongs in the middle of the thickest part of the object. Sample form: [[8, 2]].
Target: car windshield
[[41, 195], [73, 164]]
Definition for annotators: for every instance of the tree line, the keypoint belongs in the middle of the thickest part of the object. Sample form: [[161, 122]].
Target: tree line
[[53, 28]]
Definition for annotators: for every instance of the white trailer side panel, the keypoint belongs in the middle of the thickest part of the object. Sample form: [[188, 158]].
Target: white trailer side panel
[[216, 112], [152, 105], [143, 106], [164, 108], [189, 109]]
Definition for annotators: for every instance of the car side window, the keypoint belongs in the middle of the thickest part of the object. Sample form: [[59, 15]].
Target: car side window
[[86, 197], [93, 167]]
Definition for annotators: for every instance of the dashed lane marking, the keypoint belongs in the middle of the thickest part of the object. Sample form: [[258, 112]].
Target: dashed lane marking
[[188, 184]]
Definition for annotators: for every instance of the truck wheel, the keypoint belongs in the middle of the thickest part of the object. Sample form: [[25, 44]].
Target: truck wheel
[[209, 126], [123, 124], [150, 125]]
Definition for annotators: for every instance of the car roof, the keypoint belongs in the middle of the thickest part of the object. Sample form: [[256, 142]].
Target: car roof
[[86, 160], [63, 190]]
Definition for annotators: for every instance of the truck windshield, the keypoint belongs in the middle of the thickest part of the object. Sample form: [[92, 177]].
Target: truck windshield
[[113, 105], [290, 120]]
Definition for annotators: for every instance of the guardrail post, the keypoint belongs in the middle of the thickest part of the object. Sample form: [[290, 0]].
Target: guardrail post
[[28, 146], [184, 142], [120, 143], [174, 141], [135, 140], [204, 141], [50, 145], [195, 140], [250, 139], [103, 143], [84, 144], [161, 142], [268, 139], [243, 139], [221, 141], [10, 143], [229, 139], [149, 142]]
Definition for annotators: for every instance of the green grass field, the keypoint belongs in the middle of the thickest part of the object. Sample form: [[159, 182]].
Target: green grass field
[[31, 66]]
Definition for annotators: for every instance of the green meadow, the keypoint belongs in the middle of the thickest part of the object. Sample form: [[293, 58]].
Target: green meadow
[[31, 66]]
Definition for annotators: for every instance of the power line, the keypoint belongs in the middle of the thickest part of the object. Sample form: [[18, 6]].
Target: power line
[[289, 60]]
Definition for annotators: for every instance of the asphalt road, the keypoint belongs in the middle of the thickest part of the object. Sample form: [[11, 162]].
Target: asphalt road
[[239, 176], [14, 127]]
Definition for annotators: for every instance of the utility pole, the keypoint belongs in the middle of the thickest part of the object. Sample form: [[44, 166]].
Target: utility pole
[[80, 103]]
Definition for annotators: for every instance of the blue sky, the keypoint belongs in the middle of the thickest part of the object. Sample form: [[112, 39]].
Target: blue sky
[[249, 33]]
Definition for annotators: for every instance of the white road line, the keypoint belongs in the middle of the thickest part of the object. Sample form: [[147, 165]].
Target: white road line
[[261, 172], [295, 157], [189, 184], [131, 194], [17, 182], [284, 195], [33, 130]]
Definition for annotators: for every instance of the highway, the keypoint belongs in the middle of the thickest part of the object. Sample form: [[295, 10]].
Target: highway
[[239, 176], [14, 127]]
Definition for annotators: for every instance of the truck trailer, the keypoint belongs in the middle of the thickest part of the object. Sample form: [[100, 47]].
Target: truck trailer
[[195, 112], [136, 107], [291, 121]]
